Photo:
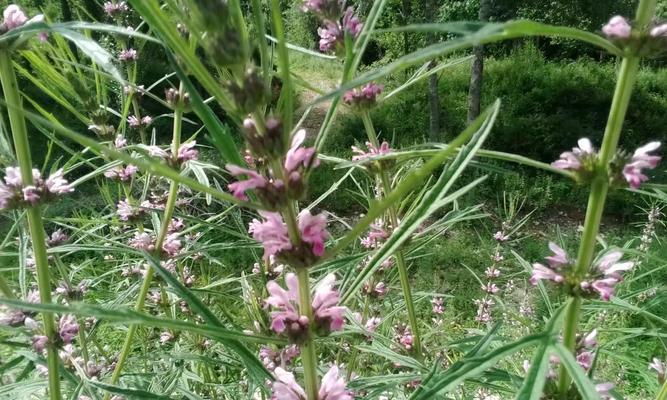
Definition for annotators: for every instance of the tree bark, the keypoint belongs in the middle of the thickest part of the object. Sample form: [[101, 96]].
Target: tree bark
[[433, 94], [477, 70]]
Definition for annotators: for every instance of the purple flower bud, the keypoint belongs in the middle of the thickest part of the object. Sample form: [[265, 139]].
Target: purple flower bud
[[187, 152], [285, 387], [617, 28], [632, 171], [128, 55], [13, 17], [68, 328], [39, 343], [113, 9], [659, 31]]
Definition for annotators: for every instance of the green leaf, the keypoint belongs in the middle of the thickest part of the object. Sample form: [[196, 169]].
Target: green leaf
[[220, 133], [93, 50], [578, 375], [250, 360], [431, 202], [386, 353], [475, 34], [131, 317], [129, 393], [471, 367]]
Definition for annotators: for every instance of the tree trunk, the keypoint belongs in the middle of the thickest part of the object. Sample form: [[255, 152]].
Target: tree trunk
[[477, 70], [433, 95]]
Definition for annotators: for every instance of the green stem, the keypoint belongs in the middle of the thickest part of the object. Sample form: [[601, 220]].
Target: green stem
[[308, 356], [38, 237], [164, 229], [600, 186], [283, 63], [400, 258], [663, 392]]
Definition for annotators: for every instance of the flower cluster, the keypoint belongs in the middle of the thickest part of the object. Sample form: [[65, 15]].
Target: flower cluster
[[272, 233], [14, 194], [332, 387], [122, 174], [145, 241], [116, 9], [619, 28], [289, 320], [660, 367], [364, 98], [273, 359], [493, 272], [332, 34], [68, 328], [583, 161], [13, 17], [127, 212], [274, 187], [602, 280], [139, 123], [128, 55], [186, 152], [336, 23]]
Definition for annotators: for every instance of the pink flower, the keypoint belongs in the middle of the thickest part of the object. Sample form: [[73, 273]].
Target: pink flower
[[559, 257], [590, 340], [313, 230], [14, 17], [128, 55], [501, 237], [372, 151], [541, 272], [617, 28], [39, 343], [285, 301], [490, 288], [172, 244], [68, 328], [574, 160], [492, 272], [328, 314], [605, 287], [372, 324], [658, 366], [31, 195], [239, 188], [585, 360], [365, 97], [166, 337], [331, 36], [187, 152], [142, 241], [112, 8], [56, 184], [58, 237], [659, 31], [333, 387], [300, 156], [603, 390], [272, 233], [609, 266], [376, 236], [325, 9], [123, 174], [137, 123], [632, 171], [438, 305], [285, 387], [119, 142], [351, 23]]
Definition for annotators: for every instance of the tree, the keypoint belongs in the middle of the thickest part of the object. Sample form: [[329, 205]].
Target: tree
[[433, 95], [477, 70]]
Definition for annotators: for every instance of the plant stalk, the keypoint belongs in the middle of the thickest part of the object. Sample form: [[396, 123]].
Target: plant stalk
[[148, 278], [36, 225], [308, 355], [400, 259], [627, 76], [663, 392]]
